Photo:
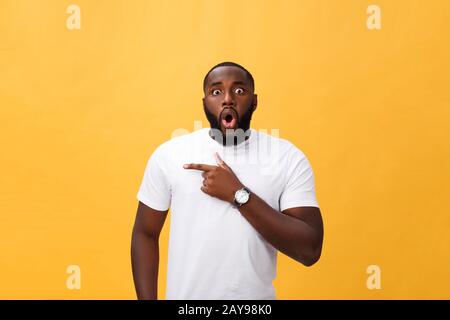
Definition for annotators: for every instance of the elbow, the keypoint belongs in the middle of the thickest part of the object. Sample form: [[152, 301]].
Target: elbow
[[311, 258], [310, 261], [312, 252]]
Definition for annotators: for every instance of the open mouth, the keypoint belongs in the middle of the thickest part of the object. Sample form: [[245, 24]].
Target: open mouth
[[229, 119]]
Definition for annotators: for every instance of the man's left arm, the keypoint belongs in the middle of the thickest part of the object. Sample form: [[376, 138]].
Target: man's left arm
[[297, 231]]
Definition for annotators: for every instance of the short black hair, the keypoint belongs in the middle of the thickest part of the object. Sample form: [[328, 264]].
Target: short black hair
[[230, 64]]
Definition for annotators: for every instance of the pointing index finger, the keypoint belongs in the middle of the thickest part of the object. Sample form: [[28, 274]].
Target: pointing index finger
[[198, 166]]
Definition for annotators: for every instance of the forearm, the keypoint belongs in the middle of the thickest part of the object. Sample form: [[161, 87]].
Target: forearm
[[145, 261], [290, 235]]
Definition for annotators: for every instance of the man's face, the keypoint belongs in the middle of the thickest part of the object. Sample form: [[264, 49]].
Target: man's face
[[229, 100]]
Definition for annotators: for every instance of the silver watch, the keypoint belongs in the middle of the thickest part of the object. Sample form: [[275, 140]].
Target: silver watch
[[241, 196]]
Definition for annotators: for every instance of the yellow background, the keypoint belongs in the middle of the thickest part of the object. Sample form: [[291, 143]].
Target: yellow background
[[82, 110]]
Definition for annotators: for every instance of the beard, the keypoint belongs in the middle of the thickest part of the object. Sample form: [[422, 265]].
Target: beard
[[243, 123]]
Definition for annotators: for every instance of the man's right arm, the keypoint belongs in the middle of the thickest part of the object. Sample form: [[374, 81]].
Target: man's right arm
[[145, 251]]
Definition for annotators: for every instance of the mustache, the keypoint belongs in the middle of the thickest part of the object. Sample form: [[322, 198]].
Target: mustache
[[243, 120]]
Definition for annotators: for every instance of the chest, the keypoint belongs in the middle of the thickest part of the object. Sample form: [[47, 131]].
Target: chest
[[264, 178]]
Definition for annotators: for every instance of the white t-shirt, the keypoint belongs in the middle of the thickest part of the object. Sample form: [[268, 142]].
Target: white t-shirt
[[214, 252]]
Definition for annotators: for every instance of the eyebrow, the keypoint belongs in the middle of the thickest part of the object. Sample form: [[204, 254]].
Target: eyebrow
[[220, 82]]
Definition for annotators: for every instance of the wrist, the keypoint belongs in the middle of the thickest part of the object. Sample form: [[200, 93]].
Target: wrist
[[241, 196], [234, 190]]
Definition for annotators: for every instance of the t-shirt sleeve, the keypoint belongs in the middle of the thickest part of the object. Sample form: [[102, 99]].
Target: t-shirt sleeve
[[299, 189], [155, 190]]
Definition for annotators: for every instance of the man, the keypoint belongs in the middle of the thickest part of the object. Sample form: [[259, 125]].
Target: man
[[234, 202]]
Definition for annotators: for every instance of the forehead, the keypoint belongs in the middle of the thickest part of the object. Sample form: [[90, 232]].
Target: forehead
[[227, 74]]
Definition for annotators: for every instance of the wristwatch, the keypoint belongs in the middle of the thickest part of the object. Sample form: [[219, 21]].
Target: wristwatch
[[241, 196]]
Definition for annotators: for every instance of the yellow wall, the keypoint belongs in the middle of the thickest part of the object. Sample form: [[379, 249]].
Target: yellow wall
[[82, 110]]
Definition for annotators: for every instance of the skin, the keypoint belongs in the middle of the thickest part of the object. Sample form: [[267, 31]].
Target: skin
[[145, 251], [297, 232], [229, 87]]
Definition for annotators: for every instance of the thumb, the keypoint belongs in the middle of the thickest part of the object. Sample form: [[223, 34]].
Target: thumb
[[220, 162]]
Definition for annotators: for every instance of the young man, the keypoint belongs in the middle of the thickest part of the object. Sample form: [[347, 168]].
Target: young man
[[237, 196]]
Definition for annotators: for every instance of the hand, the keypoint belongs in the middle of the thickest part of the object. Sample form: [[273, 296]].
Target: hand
[[219, 181]]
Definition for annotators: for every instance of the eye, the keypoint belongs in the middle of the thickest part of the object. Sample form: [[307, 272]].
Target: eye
[[239, 90], [215, 92]]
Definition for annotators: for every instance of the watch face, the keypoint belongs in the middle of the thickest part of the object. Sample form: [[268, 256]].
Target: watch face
[[242, 196]]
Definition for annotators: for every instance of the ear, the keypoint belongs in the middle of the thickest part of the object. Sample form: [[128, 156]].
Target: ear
[[255, 101]]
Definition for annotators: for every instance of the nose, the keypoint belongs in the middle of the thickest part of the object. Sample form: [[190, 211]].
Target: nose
[[228, 100]]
